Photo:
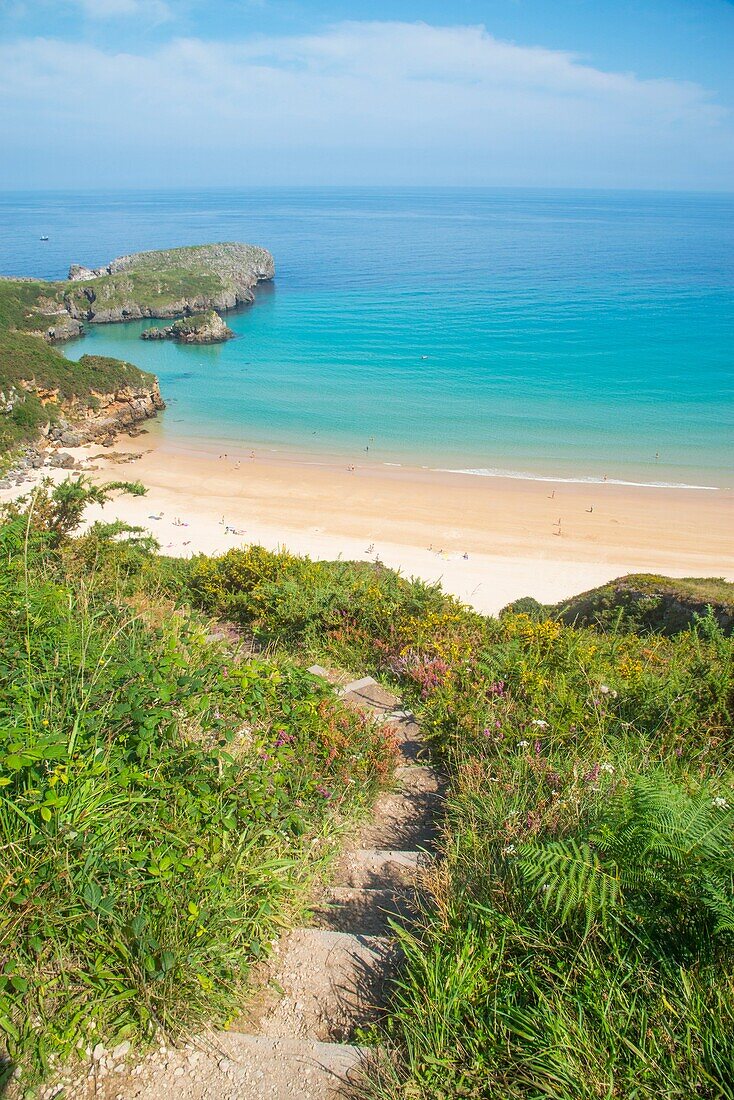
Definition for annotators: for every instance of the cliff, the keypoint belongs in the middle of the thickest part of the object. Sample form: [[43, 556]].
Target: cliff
[[47, 398], [171, 283], [36, 382], [168, 283]]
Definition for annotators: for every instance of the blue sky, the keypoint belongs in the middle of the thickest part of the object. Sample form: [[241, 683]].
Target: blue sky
[[586, 93]]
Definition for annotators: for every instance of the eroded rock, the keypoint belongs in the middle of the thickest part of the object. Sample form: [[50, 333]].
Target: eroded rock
[[201, 328]]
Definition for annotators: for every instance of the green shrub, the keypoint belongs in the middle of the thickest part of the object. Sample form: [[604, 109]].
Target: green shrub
[[358, 614], [526, 605], [578, 941], [160, 801]]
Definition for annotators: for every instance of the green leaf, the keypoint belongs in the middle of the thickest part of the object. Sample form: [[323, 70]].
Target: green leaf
[[92, 894]]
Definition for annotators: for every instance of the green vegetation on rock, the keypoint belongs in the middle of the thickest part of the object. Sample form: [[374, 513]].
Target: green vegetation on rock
[[168, 283], [29, 358], [578, 938], [199, 328], [643, 602]]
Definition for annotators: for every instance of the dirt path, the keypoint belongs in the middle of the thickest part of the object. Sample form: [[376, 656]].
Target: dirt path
[[325, 980]]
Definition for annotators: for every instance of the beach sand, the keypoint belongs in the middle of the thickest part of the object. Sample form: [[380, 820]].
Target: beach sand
[[544, 539]]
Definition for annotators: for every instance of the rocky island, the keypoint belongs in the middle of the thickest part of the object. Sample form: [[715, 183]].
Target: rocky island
[[200, 328], [44, 396]]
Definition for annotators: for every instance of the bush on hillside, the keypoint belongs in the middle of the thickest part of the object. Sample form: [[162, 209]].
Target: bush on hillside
[[160, 799], [578, 940]]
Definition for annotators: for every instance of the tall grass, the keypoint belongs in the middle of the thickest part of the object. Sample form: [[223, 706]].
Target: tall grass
[[161, 801], [578, 941]]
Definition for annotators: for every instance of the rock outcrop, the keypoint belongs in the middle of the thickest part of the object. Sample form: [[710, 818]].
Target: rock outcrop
[[75, 422], [201, 328], [120, 411]]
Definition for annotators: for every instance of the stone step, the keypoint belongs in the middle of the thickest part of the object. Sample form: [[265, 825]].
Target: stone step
[[355, 686], [377, 868], [407, 736], [230, 1065], [364, 911], [291, 1069], [369, 695], [418, 779], [404, 821], [413, 752], [319, 670], [324, 984]]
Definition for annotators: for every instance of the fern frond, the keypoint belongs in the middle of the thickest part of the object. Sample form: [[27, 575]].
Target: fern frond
[[571, 879], [719, 900]]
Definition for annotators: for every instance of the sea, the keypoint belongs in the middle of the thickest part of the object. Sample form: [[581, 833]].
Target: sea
[[581, 335]]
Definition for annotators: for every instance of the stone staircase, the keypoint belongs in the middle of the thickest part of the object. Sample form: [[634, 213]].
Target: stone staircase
[[326, 980]]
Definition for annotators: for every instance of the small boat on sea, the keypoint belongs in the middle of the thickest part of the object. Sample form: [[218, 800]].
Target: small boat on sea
[[43, 238]]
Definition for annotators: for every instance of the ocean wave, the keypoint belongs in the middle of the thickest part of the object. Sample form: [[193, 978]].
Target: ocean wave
[[589, 480]]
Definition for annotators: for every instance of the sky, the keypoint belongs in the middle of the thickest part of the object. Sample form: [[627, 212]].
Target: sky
[[526, 93]]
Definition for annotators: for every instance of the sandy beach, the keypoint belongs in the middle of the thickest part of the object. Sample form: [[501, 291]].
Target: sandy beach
[[488, 540]]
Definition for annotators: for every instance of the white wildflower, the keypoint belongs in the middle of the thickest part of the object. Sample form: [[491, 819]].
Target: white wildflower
[[609, 768], [508, 850], [604, 689], [721, 803], [539, 723], [523, 744]]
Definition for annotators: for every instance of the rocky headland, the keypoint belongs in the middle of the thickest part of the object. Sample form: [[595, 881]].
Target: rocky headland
[[200, 328], [43, 394], [170, 283]]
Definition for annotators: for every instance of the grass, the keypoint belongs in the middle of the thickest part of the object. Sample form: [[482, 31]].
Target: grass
[[579, 938], [162, 802], [31, 359], [26, 304], [151, 289]]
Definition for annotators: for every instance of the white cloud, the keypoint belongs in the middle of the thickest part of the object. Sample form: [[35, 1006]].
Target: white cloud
[[154, 11], [359, 102]]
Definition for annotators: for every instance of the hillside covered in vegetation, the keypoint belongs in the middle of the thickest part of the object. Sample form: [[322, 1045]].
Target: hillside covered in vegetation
[[642, 603], [38, 385], [163, 792]]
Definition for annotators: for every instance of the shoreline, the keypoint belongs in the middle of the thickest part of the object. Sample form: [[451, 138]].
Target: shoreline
[[489, 540], [306, 455]]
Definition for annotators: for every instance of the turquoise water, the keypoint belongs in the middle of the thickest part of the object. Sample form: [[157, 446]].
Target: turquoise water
[[540, 333]]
